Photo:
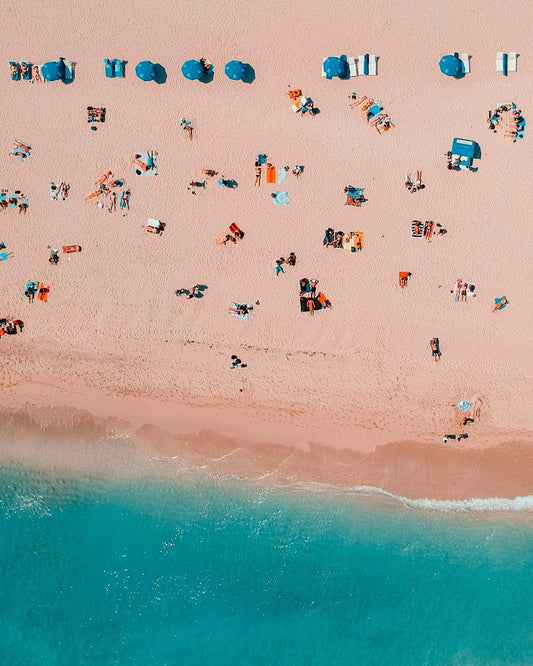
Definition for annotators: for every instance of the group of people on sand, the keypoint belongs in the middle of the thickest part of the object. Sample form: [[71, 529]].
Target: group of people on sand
[[373, 111], [10, 326], [412, 184], [463, 290], [193, 292], [514, 128], [309, 299], [338, 239], [290, 261], [15, 200]]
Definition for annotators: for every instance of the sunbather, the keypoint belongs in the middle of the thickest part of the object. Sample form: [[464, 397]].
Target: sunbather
[[209, 172], [187, 126], [241, 309], [311, 306], [435, 349], [500, 303], [321, 298], [464, 291]]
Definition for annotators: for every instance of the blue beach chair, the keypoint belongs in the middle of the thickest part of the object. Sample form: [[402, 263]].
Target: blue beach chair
[[15, 74], [119, 67]]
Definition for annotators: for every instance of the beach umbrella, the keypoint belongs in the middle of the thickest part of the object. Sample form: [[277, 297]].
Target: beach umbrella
[[451, 65], [53, 70], [235, 70], [464, 405], [192, 70], [281, 198], [146, 70], [334, 67]]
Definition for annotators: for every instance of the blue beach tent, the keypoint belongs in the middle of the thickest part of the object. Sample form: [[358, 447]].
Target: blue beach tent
[[192, 70], [451, 65], [334, 67], [464, 147], [235, 70], [146, 70], [53, 70]]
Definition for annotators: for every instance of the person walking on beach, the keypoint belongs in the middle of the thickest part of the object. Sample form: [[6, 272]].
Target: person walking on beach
[[313, 284], [187, 126], [258, 171], [447, 437], [435, 348], [278, 265]]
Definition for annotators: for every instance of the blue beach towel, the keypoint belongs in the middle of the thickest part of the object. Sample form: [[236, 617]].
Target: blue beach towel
[[12, 204], [3, 196], [109, 68], [15, 76], [375, 108], [241, 316], [281, 198]]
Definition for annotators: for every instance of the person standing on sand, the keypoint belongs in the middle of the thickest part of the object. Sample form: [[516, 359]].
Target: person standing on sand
[[435, 349], [258, 171], [278, 265]]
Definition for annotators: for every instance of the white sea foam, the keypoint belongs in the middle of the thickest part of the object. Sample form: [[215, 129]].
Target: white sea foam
[[521, 503]]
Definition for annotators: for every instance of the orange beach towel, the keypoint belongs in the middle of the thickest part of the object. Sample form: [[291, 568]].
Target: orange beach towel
[[42, 293], [271, 174], [403, 278]]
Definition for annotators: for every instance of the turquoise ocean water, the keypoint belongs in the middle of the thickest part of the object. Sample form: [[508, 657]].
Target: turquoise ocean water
[[203, 572]]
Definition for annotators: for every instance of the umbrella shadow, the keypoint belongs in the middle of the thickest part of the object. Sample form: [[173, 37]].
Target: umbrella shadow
[[161, 74], [249, 74]]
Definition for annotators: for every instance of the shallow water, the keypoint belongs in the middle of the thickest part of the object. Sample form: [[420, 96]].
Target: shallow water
[[202, 572]]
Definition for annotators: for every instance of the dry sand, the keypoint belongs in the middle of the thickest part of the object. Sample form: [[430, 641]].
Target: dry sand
[[115, 340]]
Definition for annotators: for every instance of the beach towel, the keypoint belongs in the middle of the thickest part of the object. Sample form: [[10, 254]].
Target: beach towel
[[373, 110], [26, 69], [15, 72], [358, 240], [366, 105], [42, 294], [222, 239], [3, 196], [417, 229], [241, 316], [271, 174], [5, 255], [304, 304], [500, 303], [31, 286], [403, 278], [68, 249], [145, 163], [234, 228], [12, 200], [282, 174]]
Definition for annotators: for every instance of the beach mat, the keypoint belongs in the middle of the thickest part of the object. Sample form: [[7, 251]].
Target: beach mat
[[271, 174], [303, 303], [42, 292], [68, 249], [358, 240], [417, 229]]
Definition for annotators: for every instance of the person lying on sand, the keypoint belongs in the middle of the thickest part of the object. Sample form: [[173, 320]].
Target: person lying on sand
[[242, 309]]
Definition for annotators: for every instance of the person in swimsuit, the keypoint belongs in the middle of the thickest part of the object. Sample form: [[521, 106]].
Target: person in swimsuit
[[435, 350], [258, 171]]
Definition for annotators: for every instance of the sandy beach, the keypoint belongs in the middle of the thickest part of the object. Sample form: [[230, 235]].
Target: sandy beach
[[350, 396]]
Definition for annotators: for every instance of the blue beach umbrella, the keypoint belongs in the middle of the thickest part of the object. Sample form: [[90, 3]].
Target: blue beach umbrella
[[464, 405], [451, 65], [334, 67], [281, 198], [146, 70], [192, 70], [53, 70], [235, 70]]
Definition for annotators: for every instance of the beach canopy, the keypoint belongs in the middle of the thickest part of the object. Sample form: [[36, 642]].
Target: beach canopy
[[451, 65], [464, 147], [235, 70], [53, 70], [192, 70], [146, 70], [334, 67]]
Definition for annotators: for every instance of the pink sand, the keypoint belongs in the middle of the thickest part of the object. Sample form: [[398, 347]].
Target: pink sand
[[115, 340]]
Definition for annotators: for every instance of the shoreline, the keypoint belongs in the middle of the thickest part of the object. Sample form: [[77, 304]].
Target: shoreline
[[132, 437]]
